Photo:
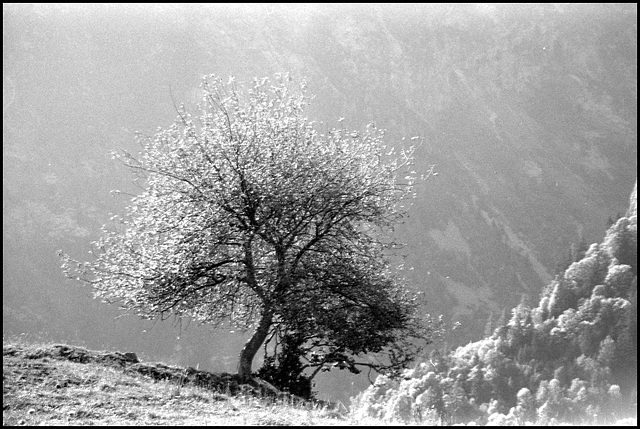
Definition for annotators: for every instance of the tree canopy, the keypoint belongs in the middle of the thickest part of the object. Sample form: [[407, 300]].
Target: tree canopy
[[251, 216], [572, 358]]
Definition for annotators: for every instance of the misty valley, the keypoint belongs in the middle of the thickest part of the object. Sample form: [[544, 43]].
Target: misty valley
[[320, 214]]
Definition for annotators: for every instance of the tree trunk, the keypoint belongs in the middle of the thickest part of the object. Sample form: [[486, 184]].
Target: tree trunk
[[253, 345]]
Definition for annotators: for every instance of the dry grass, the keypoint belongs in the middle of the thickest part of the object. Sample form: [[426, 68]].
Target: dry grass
[[64, 385], [42, 386]]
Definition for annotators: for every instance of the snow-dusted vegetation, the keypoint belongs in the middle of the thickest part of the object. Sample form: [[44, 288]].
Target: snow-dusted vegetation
[[572, 358]]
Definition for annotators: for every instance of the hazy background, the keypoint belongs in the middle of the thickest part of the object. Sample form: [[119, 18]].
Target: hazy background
[[528, 112]]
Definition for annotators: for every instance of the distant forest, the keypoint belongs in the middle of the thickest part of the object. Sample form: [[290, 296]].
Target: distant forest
[[572, 358]]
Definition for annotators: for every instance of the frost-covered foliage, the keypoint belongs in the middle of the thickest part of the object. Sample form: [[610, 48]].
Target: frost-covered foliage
[[573, 358]]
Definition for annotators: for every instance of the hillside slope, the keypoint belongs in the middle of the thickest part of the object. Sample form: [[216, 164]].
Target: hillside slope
[[573, 357], [67, 385]]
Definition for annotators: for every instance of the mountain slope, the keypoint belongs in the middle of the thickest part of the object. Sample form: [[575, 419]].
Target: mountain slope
[[528, 113], [571, 358]]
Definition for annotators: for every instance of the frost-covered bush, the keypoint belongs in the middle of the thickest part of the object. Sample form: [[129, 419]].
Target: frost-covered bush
[[372, 402], [572, 359], [498, 419], [399, 408]]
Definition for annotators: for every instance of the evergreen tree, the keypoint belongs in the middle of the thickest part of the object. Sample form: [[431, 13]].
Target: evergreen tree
[[526, 407], [622, 242]]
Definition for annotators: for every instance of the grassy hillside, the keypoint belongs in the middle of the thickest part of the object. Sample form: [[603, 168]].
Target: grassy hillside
[[66, 385]]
